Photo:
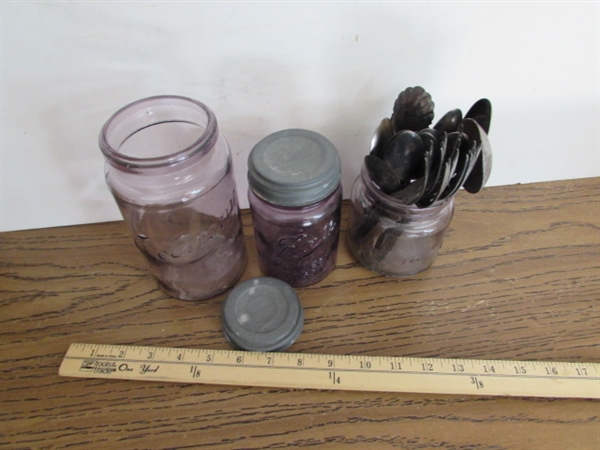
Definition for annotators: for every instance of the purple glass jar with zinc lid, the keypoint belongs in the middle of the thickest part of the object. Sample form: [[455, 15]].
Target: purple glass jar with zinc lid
[[295, 199], [170, 172]]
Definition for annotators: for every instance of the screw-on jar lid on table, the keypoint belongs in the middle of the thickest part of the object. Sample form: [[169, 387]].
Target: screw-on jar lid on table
[[294, 168], [262, 314]]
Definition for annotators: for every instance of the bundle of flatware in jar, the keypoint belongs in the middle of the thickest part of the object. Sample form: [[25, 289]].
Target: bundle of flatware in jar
[[420, 164]]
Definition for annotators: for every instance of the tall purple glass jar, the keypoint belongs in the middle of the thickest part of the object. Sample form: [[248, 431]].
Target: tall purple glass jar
[[170, 172], [391, 238], [295, 199]]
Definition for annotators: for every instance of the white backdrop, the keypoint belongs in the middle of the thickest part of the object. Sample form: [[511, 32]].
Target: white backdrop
[[335, 68]]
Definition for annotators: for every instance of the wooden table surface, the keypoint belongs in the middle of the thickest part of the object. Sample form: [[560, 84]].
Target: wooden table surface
[[518, 277]]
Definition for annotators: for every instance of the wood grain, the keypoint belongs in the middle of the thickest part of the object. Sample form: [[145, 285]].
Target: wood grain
[[518, 277]]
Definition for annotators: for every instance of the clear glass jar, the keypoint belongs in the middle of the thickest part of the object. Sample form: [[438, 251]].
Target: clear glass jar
[[295, 199], [391, 238], [170, 172]]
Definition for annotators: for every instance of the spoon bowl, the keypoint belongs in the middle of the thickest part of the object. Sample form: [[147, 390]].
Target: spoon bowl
[[405, 154], [449, 122], [483, 165], [383, 133], [481, 112]]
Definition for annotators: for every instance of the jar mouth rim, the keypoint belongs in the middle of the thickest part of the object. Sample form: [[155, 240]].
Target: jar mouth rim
[[205, 138]]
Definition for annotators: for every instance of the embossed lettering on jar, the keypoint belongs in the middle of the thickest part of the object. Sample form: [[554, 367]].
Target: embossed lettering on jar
[[295, 199]]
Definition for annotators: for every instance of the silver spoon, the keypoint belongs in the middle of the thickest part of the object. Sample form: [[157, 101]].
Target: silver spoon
[[405, 154], [383, 133], [483, 165], [412, 193], [449, 122], [481, 112]]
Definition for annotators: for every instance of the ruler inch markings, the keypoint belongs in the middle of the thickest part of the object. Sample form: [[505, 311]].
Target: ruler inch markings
[[334, 372]]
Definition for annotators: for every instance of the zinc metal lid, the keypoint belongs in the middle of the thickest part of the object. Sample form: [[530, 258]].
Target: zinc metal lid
[[294, 167], [262, 314]]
